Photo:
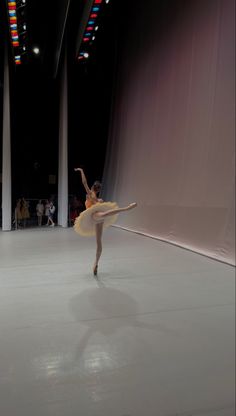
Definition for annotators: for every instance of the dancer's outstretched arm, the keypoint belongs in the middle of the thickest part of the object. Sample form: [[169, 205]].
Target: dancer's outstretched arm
[[84, 180]]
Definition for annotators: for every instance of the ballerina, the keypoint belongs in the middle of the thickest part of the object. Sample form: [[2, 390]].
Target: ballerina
[[97, 216]]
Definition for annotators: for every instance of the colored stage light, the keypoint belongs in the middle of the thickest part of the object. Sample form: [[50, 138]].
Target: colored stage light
[[86, 39], [87, 34], [18, 59], [97, 1], [91, 22], [13, 11], [89, 28], [93, 15], [95, 9]]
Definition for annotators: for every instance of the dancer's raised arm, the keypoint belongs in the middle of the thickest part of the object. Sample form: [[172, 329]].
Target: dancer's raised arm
[[84, 180]]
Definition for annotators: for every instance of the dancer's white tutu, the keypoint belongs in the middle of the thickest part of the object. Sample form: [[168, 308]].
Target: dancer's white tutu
[[85, 224]]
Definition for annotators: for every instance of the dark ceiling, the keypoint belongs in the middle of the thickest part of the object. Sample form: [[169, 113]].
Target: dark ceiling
[[47, 25], [35, 94]]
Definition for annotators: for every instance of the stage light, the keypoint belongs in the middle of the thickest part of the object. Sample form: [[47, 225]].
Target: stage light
[[36, 50], [24, 26], [24, 48], [92, 26], [17, 59]]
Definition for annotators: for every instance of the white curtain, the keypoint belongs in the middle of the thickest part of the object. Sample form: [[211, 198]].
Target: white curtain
[[172, 136]]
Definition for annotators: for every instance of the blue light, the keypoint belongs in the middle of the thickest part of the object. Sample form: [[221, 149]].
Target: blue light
[[95, 9], [87, 34], [91, 22]]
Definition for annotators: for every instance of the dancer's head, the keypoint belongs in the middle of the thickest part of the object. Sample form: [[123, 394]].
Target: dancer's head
[[97, 187]]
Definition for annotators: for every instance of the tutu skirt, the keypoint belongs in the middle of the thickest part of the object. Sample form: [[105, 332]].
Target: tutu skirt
[[85, 224]]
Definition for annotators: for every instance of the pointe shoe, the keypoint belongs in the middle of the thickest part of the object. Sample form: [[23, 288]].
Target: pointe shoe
[[133, 205], [95, 270]]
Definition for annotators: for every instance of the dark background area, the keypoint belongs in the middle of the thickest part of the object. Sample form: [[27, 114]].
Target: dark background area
[[35, 97]]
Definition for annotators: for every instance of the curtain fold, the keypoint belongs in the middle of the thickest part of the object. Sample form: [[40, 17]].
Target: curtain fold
[[172, 147]]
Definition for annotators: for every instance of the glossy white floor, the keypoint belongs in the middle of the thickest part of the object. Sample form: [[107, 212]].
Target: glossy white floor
[[152, 336]]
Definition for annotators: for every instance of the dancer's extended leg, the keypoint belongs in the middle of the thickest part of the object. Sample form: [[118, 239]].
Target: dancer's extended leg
[[99, 215], [99, 229]]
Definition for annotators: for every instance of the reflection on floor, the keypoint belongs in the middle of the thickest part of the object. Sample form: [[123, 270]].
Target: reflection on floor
[[152, 335]]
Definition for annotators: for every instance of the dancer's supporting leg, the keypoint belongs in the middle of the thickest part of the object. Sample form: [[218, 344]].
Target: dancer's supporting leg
[[99, 215], [99, 229]]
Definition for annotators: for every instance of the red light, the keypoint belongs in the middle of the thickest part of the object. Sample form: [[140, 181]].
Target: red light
[[89, 28], [97, 1], [86, 39], [93, 16]]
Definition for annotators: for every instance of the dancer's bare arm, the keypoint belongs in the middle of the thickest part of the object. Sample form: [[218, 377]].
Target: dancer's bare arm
[[84, 180]]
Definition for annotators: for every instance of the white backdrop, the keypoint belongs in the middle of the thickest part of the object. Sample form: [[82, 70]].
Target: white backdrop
[[171, 145]]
